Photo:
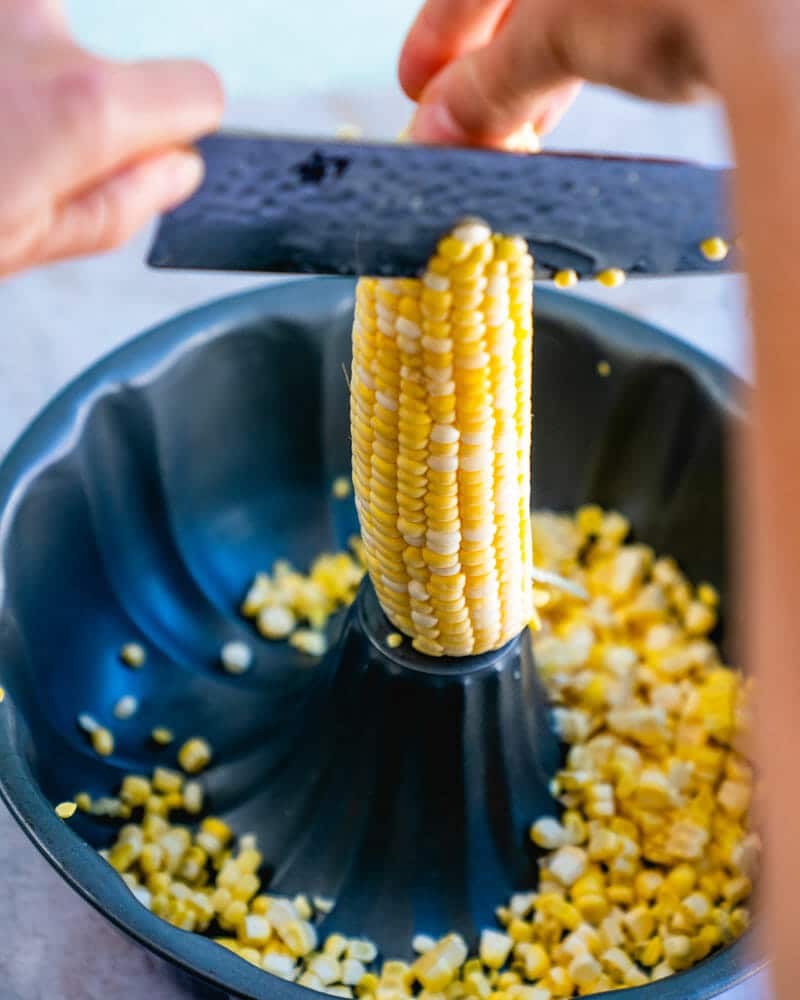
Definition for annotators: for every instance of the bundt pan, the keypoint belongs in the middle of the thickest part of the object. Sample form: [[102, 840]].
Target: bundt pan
[[141, 502]]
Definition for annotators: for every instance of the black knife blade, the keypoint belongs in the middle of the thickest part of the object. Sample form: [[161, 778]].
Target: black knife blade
[[333, 207]]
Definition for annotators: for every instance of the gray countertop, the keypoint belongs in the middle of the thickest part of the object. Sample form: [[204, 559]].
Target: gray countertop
[[57, 320]]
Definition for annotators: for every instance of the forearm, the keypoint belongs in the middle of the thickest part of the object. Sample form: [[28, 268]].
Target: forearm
[[758, 75]]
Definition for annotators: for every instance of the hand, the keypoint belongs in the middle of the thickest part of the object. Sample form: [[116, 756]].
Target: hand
[[480, 69], [91, 149]]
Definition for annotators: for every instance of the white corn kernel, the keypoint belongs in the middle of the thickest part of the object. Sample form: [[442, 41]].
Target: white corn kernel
[[236, 657], [126, 707]]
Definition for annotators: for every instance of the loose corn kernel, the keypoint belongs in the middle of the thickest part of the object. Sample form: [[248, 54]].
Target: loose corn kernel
[[494, 948], [335, 945], [102, 741], [166, 780], [613, 277], [549, 833], [84, 801], [422, 943], [309, 642], [279, 965], [565, 279], [126, 707], [133, 655], [342, 488], [135, 790], [367, 985], [162, 736], [678, 951], [299, 936], [603, 369], [536, 962], [439, 966], [66, 810], [361, 949], [236, 657], [193, 797], [194, 755], [276, 622], [393, 640], [559, 982], [714, 249]]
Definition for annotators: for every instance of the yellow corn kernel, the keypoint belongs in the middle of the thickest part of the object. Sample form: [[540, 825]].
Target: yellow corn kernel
[[233, 914], [162, 736], [678, 951], [84, 801], [299, 936], [341, 488], [102, 741], [536, 961], [519, 930], [565, 279], [740, 920], [613, 277], [476, 984], [708, 938], [439, 966], [135, 790], [194, 755], [714, 249], [584, 969], [66, 810], [558, 981], [621, 895], [737, 889], [133, 655], [681, 880], [647, 884], [367, 984]]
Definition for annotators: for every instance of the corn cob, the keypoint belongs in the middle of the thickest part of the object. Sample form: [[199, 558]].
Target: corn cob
[[441, 432]]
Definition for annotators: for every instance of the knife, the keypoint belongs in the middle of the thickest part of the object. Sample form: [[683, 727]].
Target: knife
[[335, 207]]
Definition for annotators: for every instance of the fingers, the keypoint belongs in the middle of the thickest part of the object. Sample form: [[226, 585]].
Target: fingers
[[98, 116], [488, 94], [111, 213], [32, 20], [531, 67], [443, 31]]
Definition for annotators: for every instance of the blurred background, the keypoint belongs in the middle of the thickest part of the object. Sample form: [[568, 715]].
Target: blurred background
[[303, 66], [265, 48]]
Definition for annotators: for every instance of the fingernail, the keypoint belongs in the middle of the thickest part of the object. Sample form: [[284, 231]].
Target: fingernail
[[184, 177], [434, 122]]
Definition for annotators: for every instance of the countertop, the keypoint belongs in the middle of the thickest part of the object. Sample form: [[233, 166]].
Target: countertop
[[58, 320]]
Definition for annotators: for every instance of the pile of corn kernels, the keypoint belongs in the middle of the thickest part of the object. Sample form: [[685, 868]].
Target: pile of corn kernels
[[647, 870], [282, 602]]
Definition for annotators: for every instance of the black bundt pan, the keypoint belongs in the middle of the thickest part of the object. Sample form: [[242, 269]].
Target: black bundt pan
[[140, 503]]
